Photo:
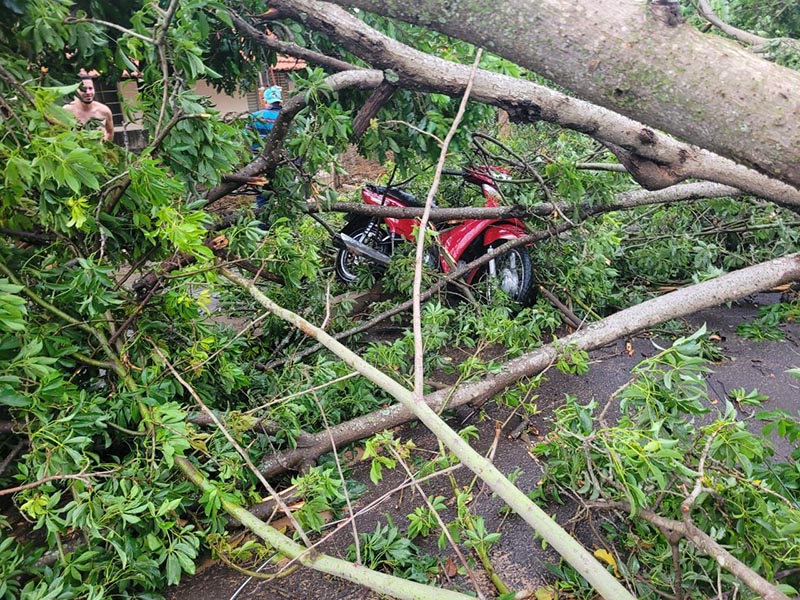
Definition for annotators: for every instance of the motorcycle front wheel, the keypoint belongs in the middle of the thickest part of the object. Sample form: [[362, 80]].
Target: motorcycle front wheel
[[512, 272], [366, 231]]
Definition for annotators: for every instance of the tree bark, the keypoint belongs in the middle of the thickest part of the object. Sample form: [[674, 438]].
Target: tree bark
[[660, 160], [635, 60], [371, 107], [624, 201]]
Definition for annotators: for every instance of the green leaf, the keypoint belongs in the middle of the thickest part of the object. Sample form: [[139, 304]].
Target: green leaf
[[376, 472], [63, 90], [123, 60], [10, 397], [186, 562], [173, 570]]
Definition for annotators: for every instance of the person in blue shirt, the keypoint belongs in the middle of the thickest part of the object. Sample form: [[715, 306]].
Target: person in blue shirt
[[261, 122]]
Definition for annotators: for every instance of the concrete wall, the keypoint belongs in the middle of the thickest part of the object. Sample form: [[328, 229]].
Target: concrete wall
[[223, 103], [227, 105], [131, 134]]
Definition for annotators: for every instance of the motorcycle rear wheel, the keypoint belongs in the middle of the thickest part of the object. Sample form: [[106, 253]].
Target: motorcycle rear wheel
[[513, 273], [347, 263]]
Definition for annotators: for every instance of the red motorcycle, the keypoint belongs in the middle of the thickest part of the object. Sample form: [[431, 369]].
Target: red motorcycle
[[373, 239]]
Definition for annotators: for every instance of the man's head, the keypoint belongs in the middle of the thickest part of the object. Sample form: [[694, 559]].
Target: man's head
[[272, 95], [86, 91]]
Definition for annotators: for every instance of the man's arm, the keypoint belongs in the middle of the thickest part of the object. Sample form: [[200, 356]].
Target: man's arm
[[108, 125]]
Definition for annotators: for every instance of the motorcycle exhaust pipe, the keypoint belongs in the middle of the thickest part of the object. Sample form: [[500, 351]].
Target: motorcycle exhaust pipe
[[345, 242]]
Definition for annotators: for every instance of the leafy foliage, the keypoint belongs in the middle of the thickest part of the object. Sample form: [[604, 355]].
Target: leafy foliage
[[767, 324], [386, 549], [653, 457], [102, 421], [87, 365]]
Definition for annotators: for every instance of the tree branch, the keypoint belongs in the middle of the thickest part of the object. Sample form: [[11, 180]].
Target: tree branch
[[13, 452], [166, 19], [292, 49], [379, 582], [67, 318], [28, 236], [703, 542], [442, 525], [739, 34], [419, 348], [624, 201], [125, 30], [371, 107], [82, 476], [6, 76], [613, 167], [124, 182]]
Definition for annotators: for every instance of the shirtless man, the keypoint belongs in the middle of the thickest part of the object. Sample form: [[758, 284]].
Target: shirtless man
[[85, 108]]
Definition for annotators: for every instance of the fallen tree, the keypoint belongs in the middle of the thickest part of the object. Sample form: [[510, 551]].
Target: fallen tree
[[640, 60], [679, 303], [654, 160], [98, 388]]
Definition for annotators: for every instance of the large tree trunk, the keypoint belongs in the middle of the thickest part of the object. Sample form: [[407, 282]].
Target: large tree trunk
[[653, 159], [640, 60]]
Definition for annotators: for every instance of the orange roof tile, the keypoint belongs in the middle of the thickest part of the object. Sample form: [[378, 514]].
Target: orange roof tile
[[289, 63]]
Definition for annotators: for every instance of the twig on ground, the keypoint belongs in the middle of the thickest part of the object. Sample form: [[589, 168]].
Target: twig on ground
[[85, 477], [310, 390], [324, 416], [570, 317]]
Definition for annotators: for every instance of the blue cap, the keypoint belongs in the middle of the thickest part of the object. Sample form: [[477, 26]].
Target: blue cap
[[272, 94]]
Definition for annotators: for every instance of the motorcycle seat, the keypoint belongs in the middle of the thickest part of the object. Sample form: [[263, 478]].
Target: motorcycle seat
[[406, 197]]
